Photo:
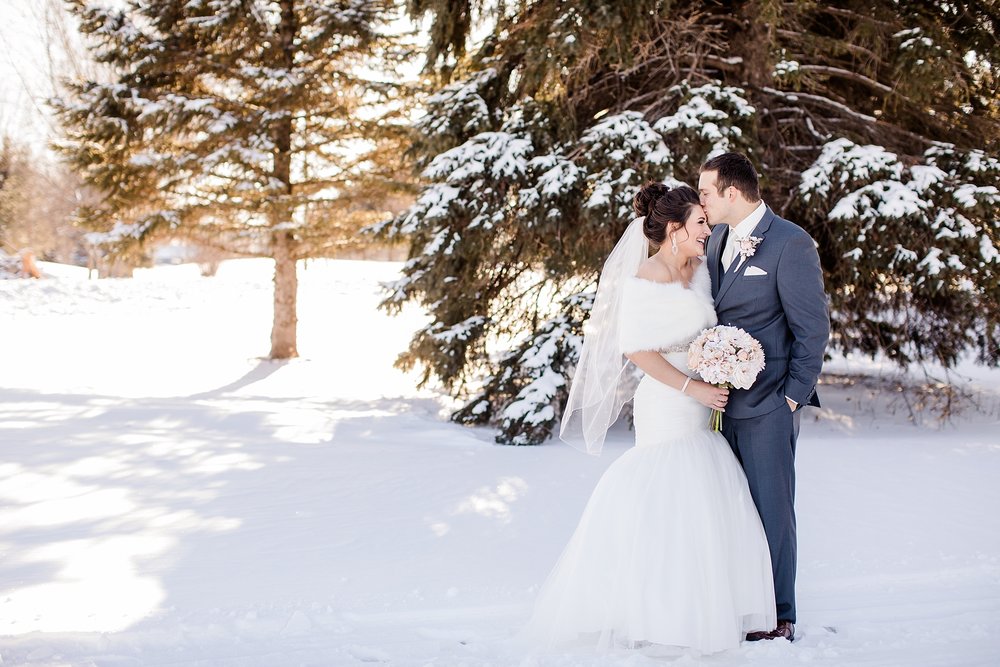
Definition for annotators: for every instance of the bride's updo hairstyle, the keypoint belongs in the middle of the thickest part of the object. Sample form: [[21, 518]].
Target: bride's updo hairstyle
[[663, 206]]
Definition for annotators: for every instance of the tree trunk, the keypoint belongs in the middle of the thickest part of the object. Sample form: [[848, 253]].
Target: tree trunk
[[283, 245], [750, 37], [286, 285]]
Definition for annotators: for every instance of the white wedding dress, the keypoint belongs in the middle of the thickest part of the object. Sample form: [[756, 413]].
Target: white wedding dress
[[670, 549]]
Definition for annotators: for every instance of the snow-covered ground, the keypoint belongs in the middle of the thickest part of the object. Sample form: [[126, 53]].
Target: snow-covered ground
[[169, 498]]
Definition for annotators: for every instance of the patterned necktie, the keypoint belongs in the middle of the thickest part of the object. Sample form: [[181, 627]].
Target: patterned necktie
[[729, 253]]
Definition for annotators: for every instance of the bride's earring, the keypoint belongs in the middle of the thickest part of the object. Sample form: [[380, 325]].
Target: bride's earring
[[673, 244]]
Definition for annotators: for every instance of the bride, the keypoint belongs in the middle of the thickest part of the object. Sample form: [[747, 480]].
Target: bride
[[670, 549]]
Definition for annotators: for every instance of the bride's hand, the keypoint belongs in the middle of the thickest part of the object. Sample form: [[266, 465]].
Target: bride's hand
[[709, 395]]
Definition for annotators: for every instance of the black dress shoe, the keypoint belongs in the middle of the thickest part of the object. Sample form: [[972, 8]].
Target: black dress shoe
[[785, 630]]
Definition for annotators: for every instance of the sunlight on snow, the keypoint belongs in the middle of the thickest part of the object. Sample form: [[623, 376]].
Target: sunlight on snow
[[95, 586], [110, 579], [494, 503], [309, 426], [45, 500]]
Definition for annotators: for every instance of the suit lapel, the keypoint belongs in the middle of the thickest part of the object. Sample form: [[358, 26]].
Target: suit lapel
[[714, 255], [728, 278], [737, 268]]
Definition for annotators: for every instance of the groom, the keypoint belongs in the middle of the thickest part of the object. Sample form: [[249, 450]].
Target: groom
[[766, 279]]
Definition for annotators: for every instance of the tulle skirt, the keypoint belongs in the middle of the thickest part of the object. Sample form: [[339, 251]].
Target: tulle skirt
[[669, 550]]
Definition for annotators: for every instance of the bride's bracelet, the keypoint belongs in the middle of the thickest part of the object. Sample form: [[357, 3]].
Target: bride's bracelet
[[686, 382]]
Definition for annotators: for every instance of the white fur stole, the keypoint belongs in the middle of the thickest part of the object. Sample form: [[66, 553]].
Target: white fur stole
[[656, 316]]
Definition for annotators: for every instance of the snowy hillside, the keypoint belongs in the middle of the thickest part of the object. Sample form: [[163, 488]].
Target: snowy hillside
[[167, 497]]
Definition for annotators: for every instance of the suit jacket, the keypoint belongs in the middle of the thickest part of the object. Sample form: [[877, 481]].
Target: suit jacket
[[784, 306]]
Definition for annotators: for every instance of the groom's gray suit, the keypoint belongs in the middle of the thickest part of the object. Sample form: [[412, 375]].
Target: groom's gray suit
[[782, 304]]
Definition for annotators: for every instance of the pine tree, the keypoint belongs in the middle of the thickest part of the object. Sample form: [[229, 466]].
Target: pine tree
[[876, 126], [263, 126]]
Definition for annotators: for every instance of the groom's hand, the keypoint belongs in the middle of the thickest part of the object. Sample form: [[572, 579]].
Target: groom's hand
[[791, 404]]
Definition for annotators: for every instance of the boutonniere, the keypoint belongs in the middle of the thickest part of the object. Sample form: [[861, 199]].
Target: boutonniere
[[748, 246]]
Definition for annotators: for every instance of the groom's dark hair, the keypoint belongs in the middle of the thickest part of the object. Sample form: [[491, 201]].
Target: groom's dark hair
[[735, 170]]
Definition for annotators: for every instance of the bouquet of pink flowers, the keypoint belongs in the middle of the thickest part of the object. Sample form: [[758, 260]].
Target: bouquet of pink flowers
[[726, 357]]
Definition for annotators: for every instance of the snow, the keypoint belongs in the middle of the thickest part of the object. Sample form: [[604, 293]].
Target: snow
[[168, 497], [533, 402], [691, 114], [601, 196], [978, 162], [842, 161], [55, 270], [881, 199], [557, 174], [627, 132], [709, 111], [498, 154], [932, 196], [932, 262], [924, 176], [968, 195], [904, 254], [433, 204], [785, 68], [461, 331], [988, 250], [460, 101]]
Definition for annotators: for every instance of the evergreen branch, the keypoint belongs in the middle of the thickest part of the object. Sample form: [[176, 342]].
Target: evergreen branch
[[850, 75], [797, 36], [823, 101], [854, 16]]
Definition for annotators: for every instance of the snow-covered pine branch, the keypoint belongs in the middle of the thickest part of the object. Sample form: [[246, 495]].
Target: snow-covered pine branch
[[842, 111], [916, 244], [500, 205]]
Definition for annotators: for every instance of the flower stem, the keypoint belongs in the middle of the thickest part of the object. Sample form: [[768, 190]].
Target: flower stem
[[715, 420]]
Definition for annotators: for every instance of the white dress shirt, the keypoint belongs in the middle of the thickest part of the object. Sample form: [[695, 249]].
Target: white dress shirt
[[743, 230]]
